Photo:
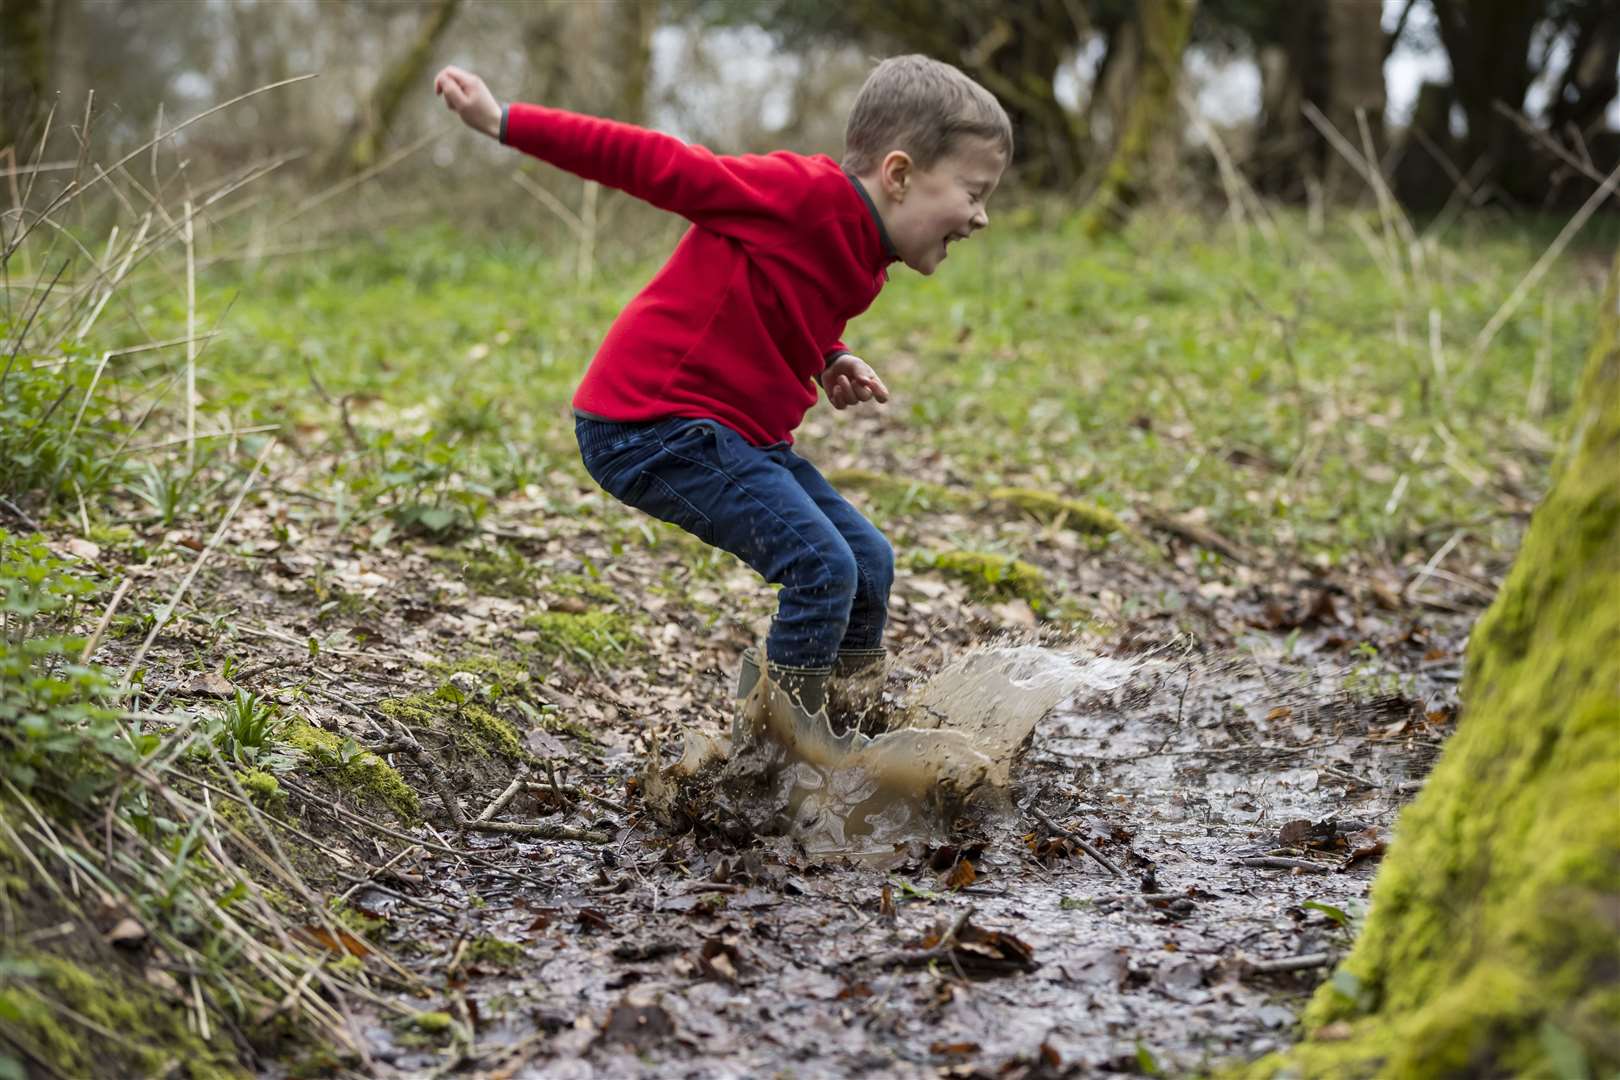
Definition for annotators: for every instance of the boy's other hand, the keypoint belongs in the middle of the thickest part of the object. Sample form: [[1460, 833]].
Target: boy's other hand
[[849, 380], [466, 95]]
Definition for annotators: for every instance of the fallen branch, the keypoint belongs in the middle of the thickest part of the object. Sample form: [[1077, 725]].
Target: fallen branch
[[543, 831], [1290, 963], [1082, 843], [1273, 862]]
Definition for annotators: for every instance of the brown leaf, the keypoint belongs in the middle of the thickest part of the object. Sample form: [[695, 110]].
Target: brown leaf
[[955, 1049], [1281, 712], [886, 903], [591, 919], [340, 942], [1366, 844], [961, 876]]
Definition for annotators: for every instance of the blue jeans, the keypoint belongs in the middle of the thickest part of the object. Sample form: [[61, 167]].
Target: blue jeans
[[769, 507]]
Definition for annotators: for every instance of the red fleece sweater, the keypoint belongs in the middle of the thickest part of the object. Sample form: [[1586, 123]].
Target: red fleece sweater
[[783, 250]]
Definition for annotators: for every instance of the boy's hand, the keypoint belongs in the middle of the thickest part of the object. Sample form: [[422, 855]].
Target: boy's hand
[[849, 380], [467, 96]]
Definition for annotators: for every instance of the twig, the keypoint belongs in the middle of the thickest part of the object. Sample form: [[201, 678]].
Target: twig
[[1084, 845], [106, 620], [922, 957], [543, 831], [1272, 862], [1555, 249], [17, 512], [1290, 963], [499, 802]]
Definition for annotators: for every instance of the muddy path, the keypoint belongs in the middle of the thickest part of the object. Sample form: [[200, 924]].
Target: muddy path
[[1236, 790]]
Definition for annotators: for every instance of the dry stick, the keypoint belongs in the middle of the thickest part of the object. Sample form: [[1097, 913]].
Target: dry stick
[[202, 557], [73, 191], [19, 513], [359, 178], [1530, 280], [1085, 845], [1524, 125], [343, 812], [230, 433], [543, 831], [191, 348], [1290, 963], [919, 957], [1272, 862], [106, 620], [498, 803]]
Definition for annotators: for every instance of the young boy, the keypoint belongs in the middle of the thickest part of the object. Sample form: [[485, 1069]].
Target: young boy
[[688, 409]]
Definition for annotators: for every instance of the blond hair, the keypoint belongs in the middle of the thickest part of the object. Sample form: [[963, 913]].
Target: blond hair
[[924, 107]]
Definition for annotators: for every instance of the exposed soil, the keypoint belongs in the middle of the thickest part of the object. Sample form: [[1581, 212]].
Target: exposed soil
[[1273, 714]]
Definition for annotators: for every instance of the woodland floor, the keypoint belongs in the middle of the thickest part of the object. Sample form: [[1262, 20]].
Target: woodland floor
[[1282, 714]]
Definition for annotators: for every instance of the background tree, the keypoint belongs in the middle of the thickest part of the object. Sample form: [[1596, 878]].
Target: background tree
[[1164, 27], [1014, 50], [1493, 942], [362, 146]]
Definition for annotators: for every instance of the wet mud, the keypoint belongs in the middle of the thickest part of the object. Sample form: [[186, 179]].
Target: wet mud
[[1236, 806]]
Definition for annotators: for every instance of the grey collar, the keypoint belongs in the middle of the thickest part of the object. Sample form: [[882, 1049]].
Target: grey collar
[[877, 219]]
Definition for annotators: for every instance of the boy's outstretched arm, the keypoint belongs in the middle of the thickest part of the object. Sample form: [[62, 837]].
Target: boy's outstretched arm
[[657, 168]]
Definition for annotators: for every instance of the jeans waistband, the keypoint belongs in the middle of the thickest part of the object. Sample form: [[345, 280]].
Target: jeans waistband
[[595, 434]]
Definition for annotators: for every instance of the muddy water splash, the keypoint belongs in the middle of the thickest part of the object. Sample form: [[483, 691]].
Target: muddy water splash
[[955, 738]]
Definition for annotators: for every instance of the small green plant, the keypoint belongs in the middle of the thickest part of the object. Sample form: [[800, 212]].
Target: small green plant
[[245, 730], [56, 717]]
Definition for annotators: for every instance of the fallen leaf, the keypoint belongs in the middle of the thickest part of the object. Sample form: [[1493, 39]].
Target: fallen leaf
[[543, 744], [338, 941], [954, 1049], [961, 875]]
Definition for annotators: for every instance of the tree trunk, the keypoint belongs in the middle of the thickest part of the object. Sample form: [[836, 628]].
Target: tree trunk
[[1493, 943], [25, 56], [362, 148], [637, 19], [1164, 26], [1488, 44], [1331, 54]]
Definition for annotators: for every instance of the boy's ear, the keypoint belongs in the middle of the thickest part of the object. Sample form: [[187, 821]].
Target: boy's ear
[[895, 174]]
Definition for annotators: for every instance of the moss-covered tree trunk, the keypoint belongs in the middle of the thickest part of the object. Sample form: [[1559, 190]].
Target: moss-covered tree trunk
[[362, 148], [1165, 25], [1492, 947]]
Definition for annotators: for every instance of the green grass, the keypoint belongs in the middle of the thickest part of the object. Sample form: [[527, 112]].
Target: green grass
[[1273, 392]]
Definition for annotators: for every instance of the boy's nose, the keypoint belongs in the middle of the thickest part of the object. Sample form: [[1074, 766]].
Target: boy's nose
[[981, 220]]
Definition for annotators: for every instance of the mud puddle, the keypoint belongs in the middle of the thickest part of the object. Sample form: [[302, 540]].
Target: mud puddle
[[676, 951], [952, 744]]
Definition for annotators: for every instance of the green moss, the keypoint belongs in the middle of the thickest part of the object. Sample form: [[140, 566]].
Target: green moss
[[497, 571], [113, 536], [263, 788], [1080, 516], [494, 952], [432, 1023], [150, 1037], [499, 677], [1493, 939], [899, 495], [579, 587], [361, 771], [474, 728], [358, 921], [990, 574], [587, 635]]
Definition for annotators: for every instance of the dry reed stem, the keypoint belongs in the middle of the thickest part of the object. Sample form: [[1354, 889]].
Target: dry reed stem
[[191, 346], [106, 620], [1555, 249], [74, 191]]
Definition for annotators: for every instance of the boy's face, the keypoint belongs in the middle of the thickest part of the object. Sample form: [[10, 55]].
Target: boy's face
[[929, 209]]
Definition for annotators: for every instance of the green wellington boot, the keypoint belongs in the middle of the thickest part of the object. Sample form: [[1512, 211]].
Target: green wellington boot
[[855, 693]]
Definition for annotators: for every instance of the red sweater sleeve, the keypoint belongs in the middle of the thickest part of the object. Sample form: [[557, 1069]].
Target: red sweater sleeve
[[657, 168]]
